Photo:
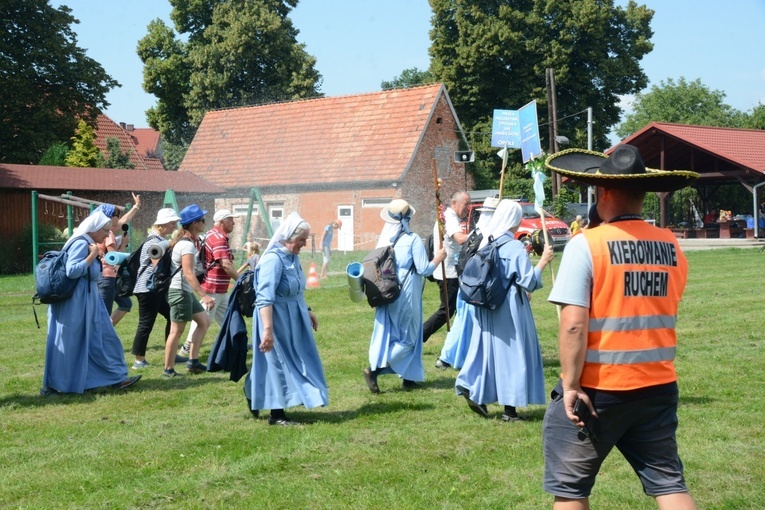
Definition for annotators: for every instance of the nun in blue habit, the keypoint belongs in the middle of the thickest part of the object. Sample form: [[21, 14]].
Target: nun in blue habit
[[396, 344], [504, 359], [286, 367], [455, 348], [83, 350]]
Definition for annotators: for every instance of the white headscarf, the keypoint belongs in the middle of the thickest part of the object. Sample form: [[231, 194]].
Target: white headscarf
[[285, 230], [484, 219], [389, 231], [93, 223], [508, 215]]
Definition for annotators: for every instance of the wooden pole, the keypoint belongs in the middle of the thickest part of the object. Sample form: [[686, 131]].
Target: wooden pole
[[440, 222]]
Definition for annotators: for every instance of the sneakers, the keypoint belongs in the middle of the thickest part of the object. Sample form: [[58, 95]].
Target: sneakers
[[170, 374], [443, 365], [282, 421], [138, 365], [181, 359], [195, 367], [185, 351], [126, 383]]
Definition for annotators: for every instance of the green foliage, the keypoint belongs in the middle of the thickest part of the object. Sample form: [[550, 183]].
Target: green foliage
[[112, 449], [755, 119], [55, 155], [409, 78], [16, 252], [48, 81], [173, 154], [117, 158], [565, 197], [234, 53], [683, 102], [84, 153], [493, 55]]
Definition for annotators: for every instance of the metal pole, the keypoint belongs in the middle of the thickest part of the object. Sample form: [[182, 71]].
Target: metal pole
[[590, 189], [35, 234], [756, 210]]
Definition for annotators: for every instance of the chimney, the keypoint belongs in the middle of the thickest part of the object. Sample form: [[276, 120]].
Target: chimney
[[130, 127], [122, 125]]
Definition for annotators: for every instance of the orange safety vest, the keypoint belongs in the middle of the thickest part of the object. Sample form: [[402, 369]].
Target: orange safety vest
[[639, 275]]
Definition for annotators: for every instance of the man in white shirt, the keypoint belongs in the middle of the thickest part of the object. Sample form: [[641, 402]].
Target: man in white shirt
[[454, 236]]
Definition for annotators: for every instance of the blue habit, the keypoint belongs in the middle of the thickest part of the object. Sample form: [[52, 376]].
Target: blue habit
[[396, 343], [291, 373], [83, 350], [504, 359]]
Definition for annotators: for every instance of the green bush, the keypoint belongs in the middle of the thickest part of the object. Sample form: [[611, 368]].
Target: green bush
[[16, 254]]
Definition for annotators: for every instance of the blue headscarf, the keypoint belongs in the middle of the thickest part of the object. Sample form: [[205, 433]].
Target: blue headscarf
[[107, 209], [403, 219]]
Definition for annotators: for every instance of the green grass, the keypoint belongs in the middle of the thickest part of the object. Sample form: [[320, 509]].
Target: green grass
[[191, 443]]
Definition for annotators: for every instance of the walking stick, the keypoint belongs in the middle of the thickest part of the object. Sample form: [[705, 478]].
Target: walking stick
[[440, 222]]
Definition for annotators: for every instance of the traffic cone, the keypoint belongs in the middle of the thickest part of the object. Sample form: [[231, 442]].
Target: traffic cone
[[313, 277]]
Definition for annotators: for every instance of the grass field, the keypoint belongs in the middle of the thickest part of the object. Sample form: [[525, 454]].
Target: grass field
[[191, 443]]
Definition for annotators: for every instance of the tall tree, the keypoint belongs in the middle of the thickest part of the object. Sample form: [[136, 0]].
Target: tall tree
[[236, 52], [116, 158], [48, 81], [409, 78], [681, 102], [492, 54], [84, 153]]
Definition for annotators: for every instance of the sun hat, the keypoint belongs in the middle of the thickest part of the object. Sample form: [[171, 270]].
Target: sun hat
[[623, 169], [191, 213], [166, 215], [489, 204], [396, 210]]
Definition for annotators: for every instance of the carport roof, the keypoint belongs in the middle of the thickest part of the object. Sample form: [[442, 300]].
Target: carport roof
[[718, 154], [98, 179]]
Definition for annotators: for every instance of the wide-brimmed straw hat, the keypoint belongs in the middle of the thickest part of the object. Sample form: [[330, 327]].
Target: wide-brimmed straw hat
[[397, 208], [489, 204], [623, 169]]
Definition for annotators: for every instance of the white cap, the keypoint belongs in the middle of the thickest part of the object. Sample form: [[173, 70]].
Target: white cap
[[222, 214], [166, 215]]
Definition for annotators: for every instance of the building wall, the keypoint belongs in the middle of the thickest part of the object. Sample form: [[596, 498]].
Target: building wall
[[319, 208]]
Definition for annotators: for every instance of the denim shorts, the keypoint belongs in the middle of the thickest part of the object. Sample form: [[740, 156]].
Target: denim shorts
[[642, 430], [183, 305]]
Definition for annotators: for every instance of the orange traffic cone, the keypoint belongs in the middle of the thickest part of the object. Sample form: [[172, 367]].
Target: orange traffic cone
[[313, 277]]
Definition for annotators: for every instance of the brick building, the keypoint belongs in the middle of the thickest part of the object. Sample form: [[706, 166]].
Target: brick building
[[337, 157]]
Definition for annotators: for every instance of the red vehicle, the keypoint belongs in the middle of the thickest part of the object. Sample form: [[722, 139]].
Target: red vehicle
[[558, 230]]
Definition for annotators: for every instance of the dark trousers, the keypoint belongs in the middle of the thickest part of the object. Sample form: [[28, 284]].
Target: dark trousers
[[438, 318], [150, 304]]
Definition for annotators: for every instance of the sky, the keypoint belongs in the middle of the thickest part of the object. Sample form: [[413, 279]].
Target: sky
[[360, 43]]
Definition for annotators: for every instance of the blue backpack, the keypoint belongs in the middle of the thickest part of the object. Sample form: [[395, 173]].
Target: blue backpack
[[482, 283], [53, 285]]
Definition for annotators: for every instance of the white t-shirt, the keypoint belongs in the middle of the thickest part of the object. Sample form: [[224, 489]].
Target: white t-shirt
[[181, 248], [451, 226], [573, 283]]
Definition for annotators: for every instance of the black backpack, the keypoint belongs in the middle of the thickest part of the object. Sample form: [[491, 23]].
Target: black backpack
[[159, 280], [482, 283], [128, 272], [381, 283], [246, 296], [468, 249]]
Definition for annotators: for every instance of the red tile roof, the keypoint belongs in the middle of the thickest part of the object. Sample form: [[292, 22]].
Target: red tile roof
[[145, 140], [738, 147], [107, 128], [347, 139], [71, 179]]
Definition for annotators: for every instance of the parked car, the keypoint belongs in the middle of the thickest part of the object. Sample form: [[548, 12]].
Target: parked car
[[558, 230]]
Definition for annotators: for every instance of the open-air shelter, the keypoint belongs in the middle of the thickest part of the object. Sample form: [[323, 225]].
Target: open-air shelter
[[720, 155]]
